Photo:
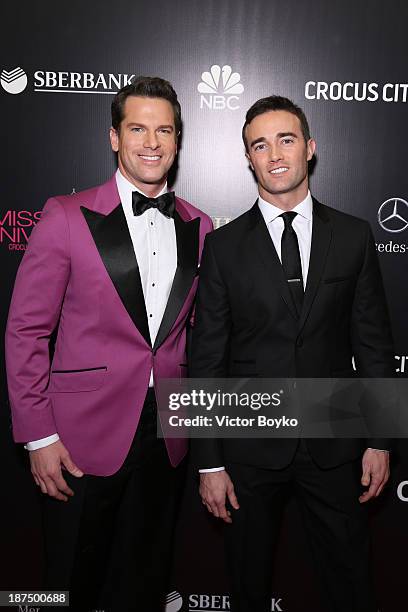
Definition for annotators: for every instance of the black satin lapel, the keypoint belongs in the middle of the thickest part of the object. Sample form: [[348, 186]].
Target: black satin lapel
[[112, 239], [187, 237], [321, 238], [263, 245]]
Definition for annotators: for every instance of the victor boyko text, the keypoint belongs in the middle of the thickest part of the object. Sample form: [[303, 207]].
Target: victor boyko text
[[281, 408]]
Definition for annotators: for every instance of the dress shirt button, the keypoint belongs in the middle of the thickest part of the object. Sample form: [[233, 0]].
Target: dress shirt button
[[154, 252], [151, 222], [150, 315], [299, 342], [153, 284]]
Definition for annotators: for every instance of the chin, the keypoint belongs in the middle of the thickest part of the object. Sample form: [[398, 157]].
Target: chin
[[152, 180]]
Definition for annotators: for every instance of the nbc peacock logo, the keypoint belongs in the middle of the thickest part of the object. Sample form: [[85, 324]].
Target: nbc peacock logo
[[220, 88], [14, 81]]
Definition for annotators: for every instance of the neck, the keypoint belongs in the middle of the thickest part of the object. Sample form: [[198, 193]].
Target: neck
[[151, 190], [285, 201]]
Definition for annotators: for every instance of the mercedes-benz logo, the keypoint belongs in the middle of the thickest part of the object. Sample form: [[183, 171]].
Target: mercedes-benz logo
[[393, 215]]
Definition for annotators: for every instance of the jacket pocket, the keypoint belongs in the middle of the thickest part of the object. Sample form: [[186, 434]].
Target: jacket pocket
[[337, 279], [75, 381]]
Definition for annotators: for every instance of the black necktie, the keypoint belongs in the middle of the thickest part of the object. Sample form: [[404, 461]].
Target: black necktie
[[165, 203], [291, 260]]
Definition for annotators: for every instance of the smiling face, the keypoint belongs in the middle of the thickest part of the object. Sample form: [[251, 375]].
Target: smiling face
[[146, 142], [278, 154]]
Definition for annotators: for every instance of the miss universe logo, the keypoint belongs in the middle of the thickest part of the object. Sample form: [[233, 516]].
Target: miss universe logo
[[16, 226]]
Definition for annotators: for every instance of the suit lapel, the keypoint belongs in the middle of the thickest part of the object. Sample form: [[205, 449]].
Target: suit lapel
[[187, 238], [111, 235], [262, 244], [321, 238]]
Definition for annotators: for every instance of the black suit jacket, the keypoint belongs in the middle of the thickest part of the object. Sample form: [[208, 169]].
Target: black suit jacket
[[246, 324]]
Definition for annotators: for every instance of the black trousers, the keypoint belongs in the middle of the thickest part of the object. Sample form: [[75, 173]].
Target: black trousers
[[336, 525], [110, 545]]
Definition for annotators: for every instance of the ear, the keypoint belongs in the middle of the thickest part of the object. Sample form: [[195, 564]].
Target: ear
[[311, 148], [114, 139], [249, 161]]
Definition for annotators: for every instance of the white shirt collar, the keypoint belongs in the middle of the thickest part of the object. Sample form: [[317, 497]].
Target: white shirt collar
[[270, 212], [126, 188]]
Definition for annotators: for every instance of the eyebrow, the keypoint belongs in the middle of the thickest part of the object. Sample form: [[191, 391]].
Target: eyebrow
[[254, 142], [279, 135], [136, 123], [283, 134]]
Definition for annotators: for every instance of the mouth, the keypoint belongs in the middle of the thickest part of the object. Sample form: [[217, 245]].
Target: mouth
[[278, 171], [150, 158]]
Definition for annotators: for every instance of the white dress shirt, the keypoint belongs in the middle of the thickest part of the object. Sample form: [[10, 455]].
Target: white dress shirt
[[302, 224], [154, 241]]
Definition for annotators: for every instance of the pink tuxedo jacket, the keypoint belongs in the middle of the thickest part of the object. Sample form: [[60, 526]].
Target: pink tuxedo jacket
[[80, 275]]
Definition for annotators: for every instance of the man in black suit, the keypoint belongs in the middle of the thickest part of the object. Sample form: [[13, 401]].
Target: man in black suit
[[291, 288]]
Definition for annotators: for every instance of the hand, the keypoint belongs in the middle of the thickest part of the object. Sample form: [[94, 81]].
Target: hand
[[214, 487], [46, 469], [376, 471]]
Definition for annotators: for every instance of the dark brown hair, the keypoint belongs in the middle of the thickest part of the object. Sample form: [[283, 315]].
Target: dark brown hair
[[147, 87], [275, 103]]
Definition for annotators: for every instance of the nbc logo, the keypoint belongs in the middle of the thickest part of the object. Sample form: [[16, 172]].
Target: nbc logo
[[15, 81], [220, 88], [174, 601]]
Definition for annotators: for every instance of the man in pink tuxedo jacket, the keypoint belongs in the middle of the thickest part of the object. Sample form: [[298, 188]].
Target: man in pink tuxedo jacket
[[114, 270]]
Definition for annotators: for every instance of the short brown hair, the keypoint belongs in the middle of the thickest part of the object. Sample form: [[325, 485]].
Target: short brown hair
[[147, 87], [275, 103]]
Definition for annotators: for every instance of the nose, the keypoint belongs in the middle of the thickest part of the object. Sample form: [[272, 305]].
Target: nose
[[151, 141], [275, 153]]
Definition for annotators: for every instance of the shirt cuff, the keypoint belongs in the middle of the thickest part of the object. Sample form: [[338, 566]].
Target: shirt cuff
[[36, 444], [207, 470], [382, 450]]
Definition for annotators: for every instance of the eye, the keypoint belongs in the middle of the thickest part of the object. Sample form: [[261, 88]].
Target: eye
[[137, 129], [260, 147], [287, 140], [165, 130]]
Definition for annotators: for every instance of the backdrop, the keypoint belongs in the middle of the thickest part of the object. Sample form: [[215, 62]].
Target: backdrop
[[343, 62]]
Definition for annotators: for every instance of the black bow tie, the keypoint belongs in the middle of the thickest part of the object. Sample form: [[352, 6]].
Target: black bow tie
[[165, 203]]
